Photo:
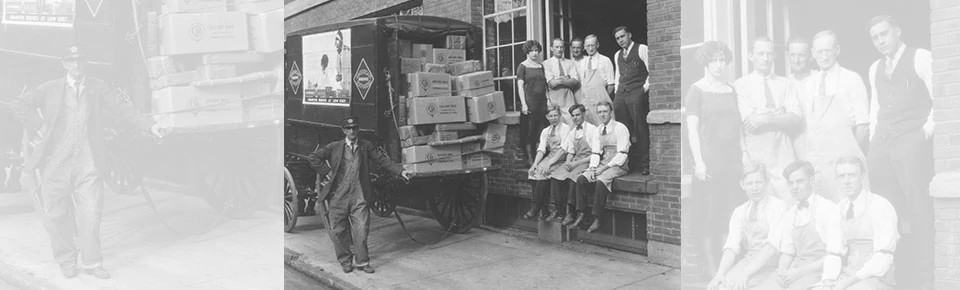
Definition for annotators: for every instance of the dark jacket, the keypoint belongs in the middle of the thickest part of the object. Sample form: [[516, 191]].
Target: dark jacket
[[107, 107], [370, 157]]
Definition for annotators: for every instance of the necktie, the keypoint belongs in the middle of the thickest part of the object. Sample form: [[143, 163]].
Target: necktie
[[888, 67], [553, 130], [753, 212], [590, 62], [823, 84], [803, 204], [604, 132], [580, 127], [768, 93], [560, 65], [850, 211]]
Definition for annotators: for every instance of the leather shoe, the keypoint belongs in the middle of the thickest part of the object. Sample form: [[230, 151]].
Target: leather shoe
[[531, 213], [595, 226], [99, 272], [347, 268], [567, 220], [368, 269], [70, 271], [579, 220], [550, 215]]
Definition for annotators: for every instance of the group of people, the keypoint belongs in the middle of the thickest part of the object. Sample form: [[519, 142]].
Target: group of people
[[581, 119], [836, 176]]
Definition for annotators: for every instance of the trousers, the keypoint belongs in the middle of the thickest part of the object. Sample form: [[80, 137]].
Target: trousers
[[349, 219]]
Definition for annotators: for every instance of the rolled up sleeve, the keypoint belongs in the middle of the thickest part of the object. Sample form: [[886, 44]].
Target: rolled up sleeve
[[623, 145], [832, 236], [885, 237]]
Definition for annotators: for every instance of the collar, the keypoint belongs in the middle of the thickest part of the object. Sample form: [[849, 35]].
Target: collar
[[859, 203], [810, 201], [798, 77], [349, 143], [627, 50], [579, 127], [767, 76], [832, 70], [896, 56], [73, 82]]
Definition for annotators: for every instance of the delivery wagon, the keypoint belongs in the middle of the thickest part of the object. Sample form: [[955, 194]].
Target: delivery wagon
[[422, 96]]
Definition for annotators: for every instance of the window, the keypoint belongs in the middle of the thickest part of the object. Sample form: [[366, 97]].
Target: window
[[505, 29]]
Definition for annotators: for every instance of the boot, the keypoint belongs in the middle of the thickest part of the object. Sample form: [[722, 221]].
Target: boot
[[579, 220], [551, 213], [567, 220], [533, 212], [595, 226]]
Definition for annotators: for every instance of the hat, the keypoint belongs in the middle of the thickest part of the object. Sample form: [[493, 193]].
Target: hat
[[350, 122], [73, 52]]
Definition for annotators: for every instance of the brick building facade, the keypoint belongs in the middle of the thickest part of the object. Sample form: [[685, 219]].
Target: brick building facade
[[644, 215], [945, 188]]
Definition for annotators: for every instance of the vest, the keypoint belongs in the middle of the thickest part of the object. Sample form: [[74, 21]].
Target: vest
[[633, 71], [903, 99], [347, 180]]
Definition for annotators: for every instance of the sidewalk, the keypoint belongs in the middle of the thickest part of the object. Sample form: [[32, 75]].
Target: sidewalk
[[140, 253], [479, 259]]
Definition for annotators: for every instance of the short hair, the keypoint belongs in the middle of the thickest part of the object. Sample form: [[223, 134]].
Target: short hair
[[577, 39], [711, 49], [880, 19], [576, 107], [552, 108], [532, 45], [797, 39], [754, 167], [324, 60], [798, 165], [605, 104], [851, 160], [594, 36], [558, 38], [763, 39], [827, 33], [619, 28]]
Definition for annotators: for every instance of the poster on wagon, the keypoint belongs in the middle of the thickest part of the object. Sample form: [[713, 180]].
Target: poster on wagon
[[326, 68], [56, 13]]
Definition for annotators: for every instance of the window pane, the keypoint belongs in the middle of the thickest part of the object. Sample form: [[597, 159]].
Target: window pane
[[491, 61], [692, 29], [509, 91], [505, 62], [519, 27], [518, 55], [490, 32], [505, 26]]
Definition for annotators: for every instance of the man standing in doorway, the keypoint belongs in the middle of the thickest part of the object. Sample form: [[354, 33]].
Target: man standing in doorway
[[597, 79], [632, 103], [563, 80], [67, 156], [900, 158], [344, 199]]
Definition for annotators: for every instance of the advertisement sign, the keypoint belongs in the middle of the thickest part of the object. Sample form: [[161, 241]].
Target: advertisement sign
[[327, 73], [56, 13]]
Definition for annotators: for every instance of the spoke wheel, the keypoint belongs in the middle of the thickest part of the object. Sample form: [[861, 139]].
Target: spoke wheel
[[456, 208], [290, 202], [384, 188]]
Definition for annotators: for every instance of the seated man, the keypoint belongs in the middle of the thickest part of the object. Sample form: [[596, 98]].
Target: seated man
[[547, 161], [869, 232], [610, 149], [753, 230], [578, 151], [809, 232]]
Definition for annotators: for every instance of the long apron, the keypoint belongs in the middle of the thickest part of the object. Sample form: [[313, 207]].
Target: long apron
[[810, 248], [829, 136], [754, 240], [580, 150], [553, 149], [859, 250], [593, 90], [609, 144]]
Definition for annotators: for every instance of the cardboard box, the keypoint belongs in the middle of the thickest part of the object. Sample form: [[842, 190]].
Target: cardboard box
[[174, 79], [435, 110], [510, 118], [423, 84], [416, 141], [477, 159], [266, 31], [464, 67], [230, 110], [263, 109], [407, 132], [485, 108], [203, 33], [420, 50], [216, 71], [447, 56], [475, 80], [255, 6], [232, 58], [456, 42], [495, 137], [434, 68], [192, 6], [161, 65], [419, 159], [475, 92], [445, 136], [455, 127], [410, 65]]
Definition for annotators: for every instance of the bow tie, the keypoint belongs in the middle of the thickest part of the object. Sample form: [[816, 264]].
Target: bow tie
[[803, 204], [580, 127]]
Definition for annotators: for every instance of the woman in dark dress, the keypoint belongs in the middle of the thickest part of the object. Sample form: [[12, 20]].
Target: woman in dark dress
[[532, 85], [713, 134]]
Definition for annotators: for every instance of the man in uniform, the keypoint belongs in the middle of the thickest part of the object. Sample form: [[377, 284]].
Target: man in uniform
[[346, 212], [609, 160], [631, 103], [563, 80], [67, 156], [901, 145], [596, 78], [768, 107]]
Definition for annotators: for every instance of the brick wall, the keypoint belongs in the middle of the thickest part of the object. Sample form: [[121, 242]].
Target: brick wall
[[469, 11], [945, 17], [337, 11]]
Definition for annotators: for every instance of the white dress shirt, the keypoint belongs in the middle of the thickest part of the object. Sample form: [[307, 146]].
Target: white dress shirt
[[561, 132], [552, 66], [883, 225], [588, 131], [922, 64], [769, 210], [643, 52], [602, 65], [847, 88], [620, 131], [751, 97], [826, 215]]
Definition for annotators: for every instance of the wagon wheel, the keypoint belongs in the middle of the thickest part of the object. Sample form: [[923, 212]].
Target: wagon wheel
[[383, 204], [290, 201], [122, 178], [455, 208]]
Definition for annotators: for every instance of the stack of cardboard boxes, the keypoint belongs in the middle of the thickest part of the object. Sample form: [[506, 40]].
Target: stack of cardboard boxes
[[449, 105], [215, 61]]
